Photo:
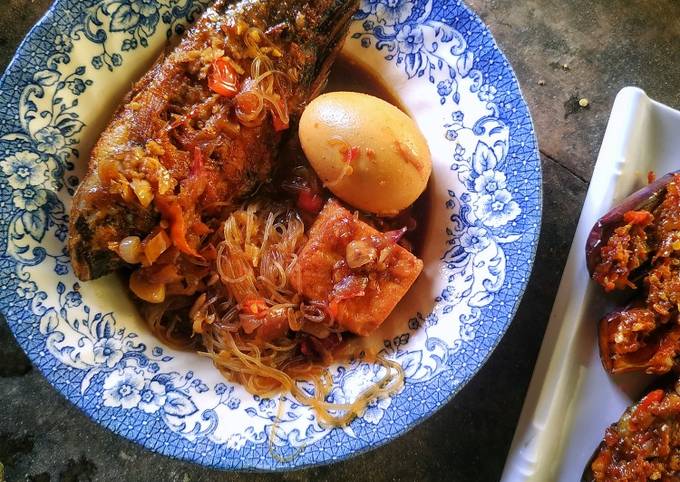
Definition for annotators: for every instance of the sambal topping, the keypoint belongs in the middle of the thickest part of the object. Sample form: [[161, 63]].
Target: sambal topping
[[667, 221], [645, 336], [626, 250], [629, 327], [663, 286], [633, 340], [644, 444]]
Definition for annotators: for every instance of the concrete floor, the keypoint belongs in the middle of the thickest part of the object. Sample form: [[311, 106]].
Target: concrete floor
[[562, 50]]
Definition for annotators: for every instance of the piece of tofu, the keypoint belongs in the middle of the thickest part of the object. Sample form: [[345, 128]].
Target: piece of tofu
[[322, 270]]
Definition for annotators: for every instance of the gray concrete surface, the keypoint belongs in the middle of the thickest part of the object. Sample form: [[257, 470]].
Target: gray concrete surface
[[562, 50]]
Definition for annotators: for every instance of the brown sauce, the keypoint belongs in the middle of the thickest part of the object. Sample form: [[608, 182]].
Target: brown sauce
[[349, 75]]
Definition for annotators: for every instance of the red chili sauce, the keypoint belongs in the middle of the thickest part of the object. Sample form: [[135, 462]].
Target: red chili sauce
[[644, 444], [646, 335]]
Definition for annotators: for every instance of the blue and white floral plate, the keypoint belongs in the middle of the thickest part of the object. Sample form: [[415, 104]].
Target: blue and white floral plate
[[88, 340]]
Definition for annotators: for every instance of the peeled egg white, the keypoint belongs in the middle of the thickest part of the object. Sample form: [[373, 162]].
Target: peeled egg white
[[390, 160]]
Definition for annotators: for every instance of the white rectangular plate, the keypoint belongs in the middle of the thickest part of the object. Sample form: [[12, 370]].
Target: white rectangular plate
[[571, 400]]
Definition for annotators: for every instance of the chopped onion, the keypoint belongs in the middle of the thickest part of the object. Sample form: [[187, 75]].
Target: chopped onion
[[295, 319], [313, 312], [130, 249], [142, 190], [250, 323], [349, 287], [359, 253], [197, 307], [151, 292], [156, 246], [396, 235], [165, 181], [384, 254]]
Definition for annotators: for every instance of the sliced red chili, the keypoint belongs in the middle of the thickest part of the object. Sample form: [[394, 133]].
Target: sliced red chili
[[312, 203], [197, 162], [638, 217], [652, 397], [651, 177], [352, 154], [223, 79], [279, 124]]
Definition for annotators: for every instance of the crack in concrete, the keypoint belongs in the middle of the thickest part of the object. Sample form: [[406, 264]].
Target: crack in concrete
[[565, 167]]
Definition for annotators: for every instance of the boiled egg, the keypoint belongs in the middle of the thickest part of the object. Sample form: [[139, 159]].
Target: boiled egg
[[366, 151]]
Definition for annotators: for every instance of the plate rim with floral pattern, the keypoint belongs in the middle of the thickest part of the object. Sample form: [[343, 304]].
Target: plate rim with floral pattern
[[491, 216]]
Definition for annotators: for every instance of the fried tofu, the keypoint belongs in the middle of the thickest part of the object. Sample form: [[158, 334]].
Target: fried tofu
[[358, 272]]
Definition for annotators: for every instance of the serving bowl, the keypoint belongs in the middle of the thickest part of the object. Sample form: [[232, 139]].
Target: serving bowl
[[440, 61]]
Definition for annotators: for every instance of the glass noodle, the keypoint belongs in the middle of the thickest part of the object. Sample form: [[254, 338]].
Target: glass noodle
[[266, 85], [256, 248]]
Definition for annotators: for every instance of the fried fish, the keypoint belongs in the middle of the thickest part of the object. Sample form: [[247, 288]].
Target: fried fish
[[201, 130]]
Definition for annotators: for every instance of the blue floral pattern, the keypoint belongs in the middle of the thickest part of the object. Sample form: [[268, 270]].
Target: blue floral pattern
[[486, 163], [125, 25]]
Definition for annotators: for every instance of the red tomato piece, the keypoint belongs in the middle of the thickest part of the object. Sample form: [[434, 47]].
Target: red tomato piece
[[309, 202], [652, 397], [279, 124], [223, 80]]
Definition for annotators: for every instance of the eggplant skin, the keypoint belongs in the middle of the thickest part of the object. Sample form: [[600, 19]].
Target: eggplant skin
[[234, 158], [644, 199]]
